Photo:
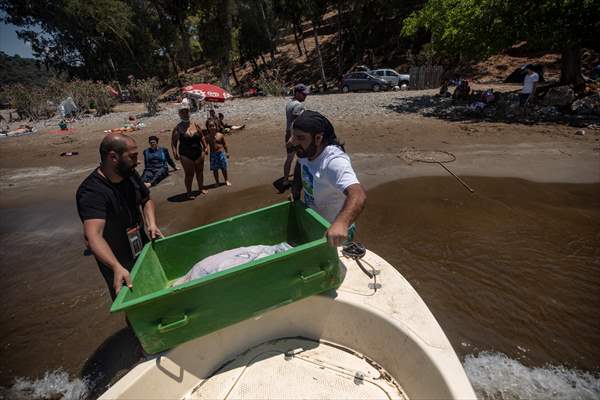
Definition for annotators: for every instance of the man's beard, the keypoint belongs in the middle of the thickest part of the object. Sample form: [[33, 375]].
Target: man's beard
[[124, 170], [308, 153]]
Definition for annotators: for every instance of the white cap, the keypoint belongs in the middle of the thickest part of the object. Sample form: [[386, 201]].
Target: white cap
[[184, 105]]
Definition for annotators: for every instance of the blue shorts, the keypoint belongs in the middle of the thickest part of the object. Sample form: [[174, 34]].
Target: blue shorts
[[218, 161]]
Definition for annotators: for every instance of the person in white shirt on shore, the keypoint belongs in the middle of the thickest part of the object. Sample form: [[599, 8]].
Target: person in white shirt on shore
[[327, 180], [529, 86]]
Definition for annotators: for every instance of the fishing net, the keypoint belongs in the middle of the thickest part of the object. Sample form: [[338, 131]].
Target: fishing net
[[427, 156], [432, 156]]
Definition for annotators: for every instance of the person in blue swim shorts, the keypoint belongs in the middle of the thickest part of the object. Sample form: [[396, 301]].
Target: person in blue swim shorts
[[218, 151]]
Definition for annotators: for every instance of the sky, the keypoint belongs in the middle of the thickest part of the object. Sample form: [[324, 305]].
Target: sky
[[11, 44]]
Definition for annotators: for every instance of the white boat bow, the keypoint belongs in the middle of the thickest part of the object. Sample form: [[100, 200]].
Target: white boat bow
[[371, 338]]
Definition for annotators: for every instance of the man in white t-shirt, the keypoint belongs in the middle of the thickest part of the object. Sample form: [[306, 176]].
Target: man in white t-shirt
[[529, 85], [328, 183], [293, 108]]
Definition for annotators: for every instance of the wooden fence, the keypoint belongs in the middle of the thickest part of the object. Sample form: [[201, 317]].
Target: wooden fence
[[425, 77]]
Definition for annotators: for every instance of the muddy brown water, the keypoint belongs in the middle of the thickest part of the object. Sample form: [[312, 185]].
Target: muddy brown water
[[511, 269]]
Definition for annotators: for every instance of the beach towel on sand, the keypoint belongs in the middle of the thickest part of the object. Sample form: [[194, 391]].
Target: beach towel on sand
[[229, 259]]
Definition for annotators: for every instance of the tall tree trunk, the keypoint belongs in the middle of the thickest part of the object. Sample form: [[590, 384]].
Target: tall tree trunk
[[175, 68], [296, 40], [127, 46], [185, 43], [235, 78], [570, 70], [340, 43], [269, 35], [254, 66], [298, 27], [227, 11], [315, 27]]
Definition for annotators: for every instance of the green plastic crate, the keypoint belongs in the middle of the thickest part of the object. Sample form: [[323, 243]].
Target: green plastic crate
[[164, 316]]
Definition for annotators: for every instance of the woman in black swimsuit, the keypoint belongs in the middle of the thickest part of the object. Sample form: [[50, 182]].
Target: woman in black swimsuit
[[192, 148]]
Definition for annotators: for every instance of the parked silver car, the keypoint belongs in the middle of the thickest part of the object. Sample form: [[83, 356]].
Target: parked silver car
[[391, 76], [362, 81]]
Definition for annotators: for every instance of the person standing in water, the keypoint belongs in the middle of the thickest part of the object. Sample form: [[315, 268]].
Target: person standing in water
[[327, 181], [108, 203], [191, 151]]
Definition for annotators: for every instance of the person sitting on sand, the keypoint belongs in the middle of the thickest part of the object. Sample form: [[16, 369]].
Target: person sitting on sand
[[462, 91], [218, 151], [444, 92], [226, 127], [156, 163], [132, 121], [213, 115]]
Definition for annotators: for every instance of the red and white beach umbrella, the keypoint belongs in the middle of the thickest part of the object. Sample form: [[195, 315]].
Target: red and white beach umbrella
[[207, 91]]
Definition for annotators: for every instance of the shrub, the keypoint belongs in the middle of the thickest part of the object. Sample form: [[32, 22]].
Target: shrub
[[146, 91], [103, 100], [85, 94], [29, 101], [271, 86]]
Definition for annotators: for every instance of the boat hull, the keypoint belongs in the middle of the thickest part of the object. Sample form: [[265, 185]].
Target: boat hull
[[382, 318]]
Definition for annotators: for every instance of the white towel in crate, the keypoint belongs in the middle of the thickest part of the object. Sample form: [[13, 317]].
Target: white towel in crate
[[229, 259]]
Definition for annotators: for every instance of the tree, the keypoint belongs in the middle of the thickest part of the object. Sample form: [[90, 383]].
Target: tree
[[253, 40], [291, 12], [472, 29], [316, 9], [226, 21]]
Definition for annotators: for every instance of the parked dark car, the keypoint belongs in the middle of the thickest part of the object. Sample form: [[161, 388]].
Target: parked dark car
[[362, 81]]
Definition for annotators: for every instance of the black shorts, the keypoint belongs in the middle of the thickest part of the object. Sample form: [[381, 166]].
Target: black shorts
[[289, 149]]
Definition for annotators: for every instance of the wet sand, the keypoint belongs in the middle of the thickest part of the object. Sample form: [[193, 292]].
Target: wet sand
[[513, 268]]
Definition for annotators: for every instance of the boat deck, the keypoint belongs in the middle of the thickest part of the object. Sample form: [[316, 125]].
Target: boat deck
[[297, 368]]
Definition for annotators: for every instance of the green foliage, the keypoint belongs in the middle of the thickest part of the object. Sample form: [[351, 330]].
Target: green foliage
[[472, 29], [36, 102], [271, 84], [146, 91], [112, 39], [29, 101]]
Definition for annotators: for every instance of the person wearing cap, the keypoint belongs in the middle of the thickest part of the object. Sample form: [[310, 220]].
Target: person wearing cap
[[529, 85], [293, 109], [327, 181]]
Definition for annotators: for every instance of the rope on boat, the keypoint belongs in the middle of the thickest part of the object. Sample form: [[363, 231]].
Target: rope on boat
[[356, 251]]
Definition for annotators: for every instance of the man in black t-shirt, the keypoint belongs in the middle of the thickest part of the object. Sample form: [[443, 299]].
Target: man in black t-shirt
[[108, 202]]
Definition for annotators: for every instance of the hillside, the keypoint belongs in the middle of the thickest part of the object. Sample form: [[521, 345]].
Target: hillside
[[291, 66], [15, 69]]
